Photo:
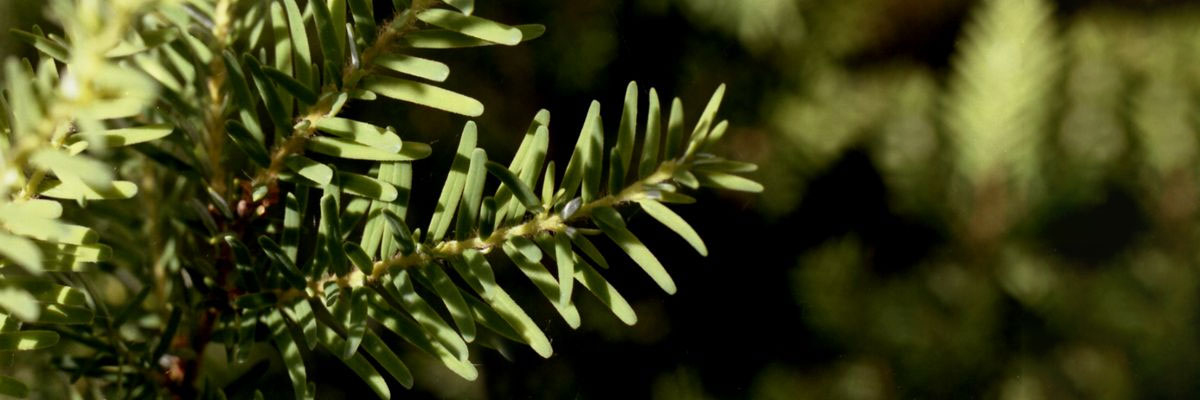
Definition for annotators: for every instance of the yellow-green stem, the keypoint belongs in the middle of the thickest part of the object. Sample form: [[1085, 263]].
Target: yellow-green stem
[[215, 115], [545, 222]]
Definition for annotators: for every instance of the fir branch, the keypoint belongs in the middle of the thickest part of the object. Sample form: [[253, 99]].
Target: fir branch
[[548, 221], [404, 22], [215, 112]]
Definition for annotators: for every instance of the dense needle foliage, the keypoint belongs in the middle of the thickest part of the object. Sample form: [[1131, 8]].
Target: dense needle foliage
[[196, 152]]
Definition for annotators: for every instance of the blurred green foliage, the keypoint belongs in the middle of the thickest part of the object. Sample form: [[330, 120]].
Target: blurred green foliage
[[1055, 155]]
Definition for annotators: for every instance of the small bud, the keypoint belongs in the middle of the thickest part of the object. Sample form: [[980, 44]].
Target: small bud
[[571, 207]]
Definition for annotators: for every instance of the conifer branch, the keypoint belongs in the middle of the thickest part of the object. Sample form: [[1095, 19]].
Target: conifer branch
[[307, 126]]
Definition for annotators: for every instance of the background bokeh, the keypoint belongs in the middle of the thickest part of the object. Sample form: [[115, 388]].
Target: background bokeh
[[965, 199]]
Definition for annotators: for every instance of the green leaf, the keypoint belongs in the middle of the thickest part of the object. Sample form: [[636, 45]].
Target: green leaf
[[26, 107], [358, 257], [255, 301], [544, 281], [327, 35], [526, 164], [518, 188], [19, 304], [723, 180], [337, 14], [354, 213], [364, 19], [291, 85], [565, 259], [168, 333], [266, 90], [615, 172], [245, 265], [674, 146], [472, 26], [292, 216], [527, 248], [626, 132], [43, 44], [22, 252], [611, 223], [368, 374], [455, 182], [453, 298], [289, 271], [237, 80], [593, 163], [410, 331], [131, 91], [604, 291], [468, 211], [44, 229], [135, 135], [34, 208], [447, 39], [149, 40], [575, 171], [27, 340], [314, 171], [423, 94], [371, 240], [63, 315], [306, 320], [348, 149], [281, 50], [548, 185], [82, 169], [387, 359], [289, 351], [356, 323], [359, 94], [339, 100], [426, 316], [652, 143], [246, 141], [12, 387], [700, 133], [487, 217], [333, 242], [245, 323], [45, 290], [686, 178], [715, 134], [676, 223], [399, 176], [466, 6], [400, 232], [474, 268], [365, 186], [589, 249], [152, 66], [484, 315], [415, 66], [66, 257], [362, 132], [719, 165], [595, 283]]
